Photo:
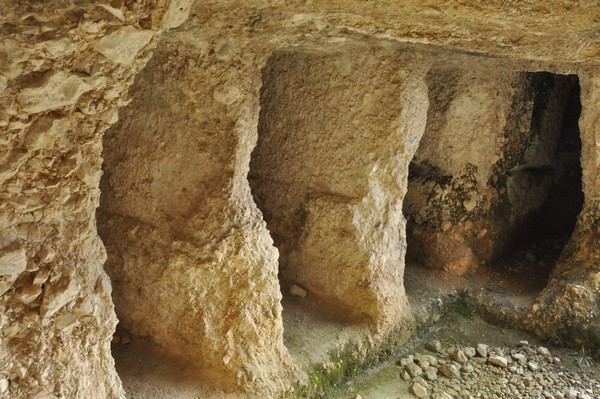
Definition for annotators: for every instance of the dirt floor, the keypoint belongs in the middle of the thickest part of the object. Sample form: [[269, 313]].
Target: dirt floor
[[507, 288], [148, 372]]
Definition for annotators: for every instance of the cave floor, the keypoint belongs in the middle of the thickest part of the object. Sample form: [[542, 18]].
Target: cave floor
[[385, 382], [508, 290], [148, 372]]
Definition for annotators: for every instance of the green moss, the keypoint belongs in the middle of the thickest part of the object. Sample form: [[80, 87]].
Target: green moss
[[347, 363]]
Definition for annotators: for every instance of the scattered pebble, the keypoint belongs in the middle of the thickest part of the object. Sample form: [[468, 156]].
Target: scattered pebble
[[419, 390], [484, 372], [298, 291], [482, 350], [434, 346], [499, 361]]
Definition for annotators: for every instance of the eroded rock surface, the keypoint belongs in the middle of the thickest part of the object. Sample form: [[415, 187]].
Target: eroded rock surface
[[58, 94], [190, 256]]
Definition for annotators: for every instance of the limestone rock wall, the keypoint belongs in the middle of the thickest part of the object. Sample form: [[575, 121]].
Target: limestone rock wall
[[191, 261], [193, 245], [336, 134], [64, 70], [568, 308], [485, 164]]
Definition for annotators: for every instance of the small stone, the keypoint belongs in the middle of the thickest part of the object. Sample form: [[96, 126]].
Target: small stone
[[470, 351], [358, 397], [116, 339], [3, 385], [479, 360], [532, 367], [523, 343], [446, 225], [449, 371], [482, 350], [519, 357], [433, 361], [557, 361], [405, 376], [422, 381], [441, 395], [467, 368], [470, 204], [419, 390], [125, 340], [433, 346], [431, 374], [459, 356], [543, 352], [406, 360], [570, 393], [499, 361], [421, 361], [530, 257], [413, 369], [298, 291]]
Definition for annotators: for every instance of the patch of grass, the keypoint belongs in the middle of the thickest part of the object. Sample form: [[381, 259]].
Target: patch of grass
[[326, 378], [461, 306], [344, 364]]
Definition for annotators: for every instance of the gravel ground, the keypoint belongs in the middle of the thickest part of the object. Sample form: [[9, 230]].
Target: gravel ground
[[465, 357], [484, 372]]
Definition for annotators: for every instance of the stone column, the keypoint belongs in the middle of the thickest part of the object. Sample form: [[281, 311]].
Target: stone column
[[337, 132], [192, 263]]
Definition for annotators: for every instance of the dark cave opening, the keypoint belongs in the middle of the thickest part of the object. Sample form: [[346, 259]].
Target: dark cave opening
[[514, 225], [542, 237]]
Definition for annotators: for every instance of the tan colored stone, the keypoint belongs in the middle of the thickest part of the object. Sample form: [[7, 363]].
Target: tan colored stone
[[450, 254], [13, 260], [57, 295], [122, 46], [28, 293], [56, 90], [298, 291], [177, 12]]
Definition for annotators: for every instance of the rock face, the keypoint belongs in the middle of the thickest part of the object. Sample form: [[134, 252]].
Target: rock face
[[59, 93], [176, 209], [336, 213], [486, 163], [334, 102]]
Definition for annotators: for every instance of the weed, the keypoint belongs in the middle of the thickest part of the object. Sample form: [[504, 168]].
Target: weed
[[584, 360]]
